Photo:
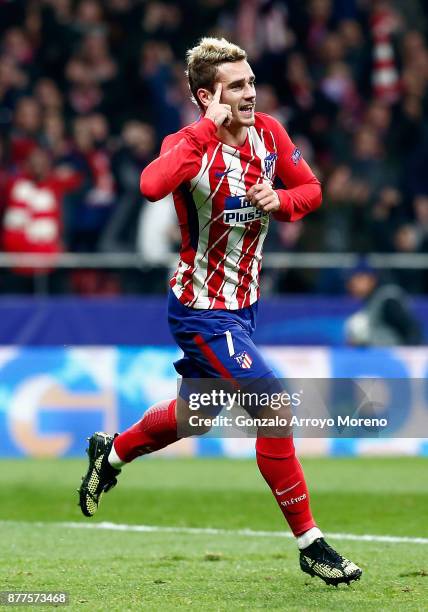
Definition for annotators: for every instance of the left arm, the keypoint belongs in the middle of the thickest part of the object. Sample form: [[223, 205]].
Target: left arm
[[303, 193]]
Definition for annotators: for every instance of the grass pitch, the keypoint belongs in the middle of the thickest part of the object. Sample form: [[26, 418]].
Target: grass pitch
[[121, 570]]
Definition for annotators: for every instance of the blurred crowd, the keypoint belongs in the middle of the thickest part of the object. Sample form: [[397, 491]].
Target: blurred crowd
[[88, 90]]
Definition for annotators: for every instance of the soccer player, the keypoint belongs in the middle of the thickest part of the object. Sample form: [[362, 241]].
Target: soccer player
[[220, 171]]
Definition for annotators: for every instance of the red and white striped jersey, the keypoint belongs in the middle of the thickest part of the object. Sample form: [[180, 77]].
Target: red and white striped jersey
[[222, 232]]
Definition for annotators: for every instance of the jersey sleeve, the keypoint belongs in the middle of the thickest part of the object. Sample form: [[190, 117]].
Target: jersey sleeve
[[179, 160], [303, 190]]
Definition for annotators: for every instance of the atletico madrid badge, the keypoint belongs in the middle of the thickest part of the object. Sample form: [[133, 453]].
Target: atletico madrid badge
[[243, 360]]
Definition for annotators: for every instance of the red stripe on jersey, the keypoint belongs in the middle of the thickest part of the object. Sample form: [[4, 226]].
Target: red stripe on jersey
[[248, 164], [252, 242], [218, 233], [259, 268], [251, 239], [187, 252], [220, 297], [246, 159], [191, 293], [211, 357], [216, 257], [188, 294], [244, 277], [270, 141]]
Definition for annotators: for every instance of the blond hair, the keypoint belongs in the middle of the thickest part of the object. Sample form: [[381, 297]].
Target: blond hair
[[204, 59]]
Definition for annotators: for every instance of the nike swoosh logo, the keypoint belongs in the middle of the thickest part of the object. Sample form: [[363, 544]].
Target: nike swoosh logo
[[286, 490], [220, 174]]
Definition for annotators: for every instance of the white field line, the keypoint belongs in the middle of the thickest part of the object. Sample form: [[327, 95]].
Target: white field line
[[213, 531]]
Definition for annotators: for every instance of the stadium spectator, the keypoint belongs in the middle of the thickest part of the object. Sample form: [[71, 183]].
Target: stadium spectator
[[13, 82], [84, 93], [386, 214], [92, 206], [48, 95], [420, 207], [4, 174], [385, 318], [17, 46], [407, 240], [137, 149], [26, 132], [32, 218], [55, 136], [89, 17], [157, 79]]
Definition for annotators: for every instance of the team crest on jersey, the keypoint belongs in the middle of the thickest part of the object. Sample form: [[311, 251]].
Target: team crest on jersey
[[296, 156], [243, 360], [237, 209], [269, 162]]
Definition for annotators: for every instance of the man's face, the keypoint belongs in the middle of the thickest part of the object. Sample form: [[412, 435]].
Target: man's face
[[360, 285], [238, 90], [39, 164]]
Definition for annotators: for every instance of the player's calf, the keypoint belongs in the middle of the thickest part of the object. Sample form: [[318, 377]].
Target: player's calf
[[107, 455]]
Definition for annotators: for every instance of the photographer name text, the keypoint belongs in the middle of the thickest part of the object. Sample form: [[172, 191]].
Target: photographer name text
[[294, 421]]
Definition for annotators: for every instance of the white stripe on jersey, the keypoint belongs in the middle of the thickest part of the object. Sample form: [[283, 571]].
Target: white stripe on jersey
[[178, 287], [254, 285], [233, 293], [236, 180], [273, 171], [203, 198], [243, 253], [273, 140], [247, 250], [204, 168], [203, 202], [200, 278], [261, 152], [226, 259], [206, 299]]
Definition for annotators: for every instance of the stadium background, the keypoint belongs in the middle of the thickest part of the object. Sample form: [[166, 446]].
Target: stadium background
[[83, 338], [87, 92]]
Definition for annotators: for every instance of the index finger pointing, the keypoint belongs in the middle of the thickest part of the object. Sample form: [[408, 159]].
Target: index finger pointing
[[217, 92]]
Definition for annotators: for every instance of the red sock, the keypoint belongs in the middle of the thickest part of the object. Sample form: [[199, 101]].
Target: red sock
[[154, 431], [277, 461]]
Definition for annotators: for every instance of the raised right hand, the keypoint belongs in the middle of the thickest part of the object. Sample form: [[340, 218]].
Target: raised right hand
[[221, 114]]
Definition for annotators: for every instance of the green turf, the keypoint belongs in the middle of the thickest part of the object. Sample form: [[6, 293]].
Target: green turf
[[162, 571]]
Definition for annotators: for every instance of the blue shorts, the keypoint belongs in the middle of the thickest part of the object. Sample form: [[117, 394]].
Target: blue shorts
[[216, 343]]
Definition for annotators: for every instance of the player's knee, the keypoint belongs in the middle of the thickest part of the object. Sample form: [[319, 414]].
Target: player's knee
[[275, 421], [191, 422]]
